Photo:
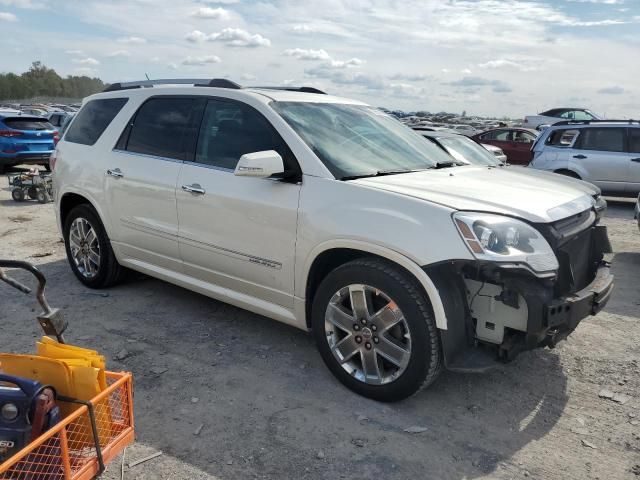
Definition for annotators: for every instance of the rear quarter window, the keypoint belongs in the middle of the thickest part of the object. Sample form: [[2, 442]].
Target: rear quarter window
[[562, 138], [93, 119], [27, 124]]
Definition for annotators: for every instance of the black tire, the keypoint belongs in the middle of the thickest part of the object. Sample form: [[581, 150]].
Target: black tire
[[33, 193], [17, 194], [425, 361], [110, 272], [42, 196]]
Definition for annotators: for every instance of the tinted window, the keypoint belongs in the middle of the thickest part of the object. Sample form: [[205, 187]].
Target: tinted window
[[162, 127], [603, 139], [93, 119], [561, 138], [523, 137], [229, 130], [580, 115], [634, 140], [27, 124], [500, 135]]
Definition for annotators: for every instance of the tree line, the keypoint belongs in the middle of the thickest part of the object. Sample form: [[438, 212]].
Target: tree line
[[40, 81]]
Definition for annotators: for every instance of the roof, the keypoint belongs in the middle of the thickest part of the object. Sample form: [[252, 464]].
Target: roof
[[440, 134], [221, 87]]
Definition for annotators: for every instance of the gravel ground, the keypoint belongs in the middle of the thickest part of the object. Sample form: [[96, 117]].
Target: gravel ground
[[270, 408]]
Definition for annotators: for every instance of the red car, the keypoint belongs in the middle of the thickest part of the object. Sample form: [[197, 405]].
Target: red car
[[515, 142]]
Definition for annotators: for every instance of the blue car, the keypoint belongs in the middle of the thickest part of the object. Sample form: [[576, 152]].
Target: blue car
[[25, 139]]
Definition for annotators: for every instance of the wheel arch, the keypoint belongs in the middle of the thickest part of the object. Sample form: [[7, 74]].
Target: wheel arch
[[70, 199], [330, 255], [568, 172]]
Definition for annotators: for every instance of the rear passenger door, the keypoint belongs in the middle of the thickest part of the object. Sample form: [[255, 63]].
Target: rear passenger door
[[238, 233], [633, 185], [141, 180], [600, 156]]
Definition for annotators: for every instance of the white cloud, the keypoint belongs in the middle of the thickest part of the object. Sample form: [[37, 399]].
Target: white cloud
[[310, 54], [195, 36], [119, 54], [200, 61], [233, 37], [8, 17], [247, 76], [304, 54], [522, 65], [466, 71], [74, 52], [236, 37], [88, 71], [86, 61], [132, 40], [208, 12], [29, 4], [410, 77]]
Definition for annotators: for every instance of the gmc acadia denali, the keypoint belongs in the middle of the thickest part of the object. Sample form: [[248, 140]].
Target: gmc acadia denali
[[331, 216]]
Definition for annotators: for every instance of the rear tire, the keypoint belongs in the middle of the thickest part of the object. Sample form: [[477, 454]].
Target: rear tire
[[17, 194], [42, 196], [406, 356], [94, 272]]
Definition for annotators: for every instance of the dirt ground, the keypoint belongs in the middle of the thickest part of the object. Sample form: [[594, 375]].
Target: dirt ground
[[271, 409]]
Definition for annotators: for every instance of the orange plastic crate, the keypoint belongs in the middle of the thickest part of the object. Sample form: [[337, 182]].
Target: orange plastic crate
[[68, 450]]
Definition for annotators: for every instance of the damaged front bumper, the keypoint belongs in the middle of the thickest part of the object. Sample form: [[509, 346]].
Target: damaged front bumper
[[501, 312]]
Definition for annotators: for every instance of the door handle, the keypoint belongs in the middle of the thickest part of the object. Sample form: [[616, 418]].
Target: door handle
[[115, 173], [580, 157], [636, 159], [194, 188]]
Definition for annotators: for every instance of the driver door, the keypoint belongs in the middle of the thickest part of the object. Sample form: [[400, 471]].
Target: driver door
[[237, 232]]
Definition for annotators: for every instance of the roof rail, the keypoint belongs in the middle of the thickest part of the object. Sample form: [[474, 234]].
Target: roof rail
[[198, 82], [589, 122], [294, 89]]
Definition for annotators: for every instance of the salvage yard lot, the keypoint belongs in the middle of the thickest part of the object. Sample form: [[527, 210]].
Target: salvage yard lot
[[227, 394]]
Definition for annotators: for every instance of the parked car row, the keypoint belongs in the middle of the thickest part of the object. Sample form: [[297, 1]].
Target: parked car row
[[29, 133]]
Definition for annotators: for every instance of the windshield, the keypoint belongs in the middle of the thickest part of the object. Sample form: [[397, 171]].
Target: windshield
[[356, 140], [468, 151]]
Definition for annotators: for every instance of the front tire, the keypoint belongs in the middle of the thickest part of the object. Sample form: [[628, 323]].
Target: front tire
[[375, 330], [89, 249]]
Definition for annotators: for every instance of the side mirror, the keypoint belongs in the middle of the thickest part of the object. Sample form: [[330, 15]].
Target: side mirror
[[260, 164]]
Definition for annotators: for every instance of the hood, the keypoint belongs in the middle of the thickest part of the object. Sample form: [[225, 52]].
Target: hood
[[588, 188], [505, 191]]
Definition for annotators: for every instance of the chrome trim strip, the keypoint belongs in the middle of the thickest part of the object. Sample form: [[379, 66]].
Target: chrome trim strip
[[135, 154], [149, 230], [210, 167]]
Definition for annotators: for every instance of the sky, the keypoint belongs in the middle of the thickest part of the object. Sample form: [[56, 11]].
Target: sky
[[486, 57]]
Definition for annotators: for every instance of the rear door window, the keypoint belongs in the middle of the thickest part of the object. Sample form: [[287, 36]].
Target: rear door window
[[634, 140], [499, 135], [163, 127], [602, 139], [27, 124], [93, 119]]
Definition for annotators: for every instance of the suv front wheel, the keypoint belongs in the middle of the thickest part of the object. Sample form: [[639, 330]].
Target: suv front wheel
[[375, 330], [89, 250]]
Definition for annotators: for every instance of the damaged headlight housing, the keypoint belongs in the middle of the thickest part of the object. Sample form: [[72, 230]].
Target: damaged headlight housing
[[503, 239]]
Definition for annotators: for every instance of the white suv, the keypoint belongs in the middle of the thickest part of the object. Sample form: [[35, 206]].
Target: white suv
[[603, 152], [331, 216]]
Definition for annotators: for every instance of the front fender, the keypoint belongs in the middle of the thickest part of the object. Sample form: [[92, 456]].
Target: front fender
[[384, 252]]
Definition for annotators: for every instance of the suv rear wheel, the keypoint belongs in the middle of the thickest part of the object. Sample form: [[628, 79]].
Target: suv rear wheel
[[89, 250], [375, 330]]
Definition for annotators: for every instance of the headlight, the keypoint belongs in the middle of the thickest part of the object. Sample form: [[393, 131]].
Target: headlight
[[502, 239], [9, 411]]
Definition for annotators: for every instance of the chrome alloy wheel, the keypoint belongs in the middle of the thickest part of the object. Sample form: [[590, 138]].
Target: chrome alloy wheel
[[368, 334], [85, 248]]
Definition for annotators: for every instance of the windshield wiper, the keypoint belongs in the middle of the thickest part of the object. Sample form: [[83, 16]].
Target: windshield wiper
[[379, 173]]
